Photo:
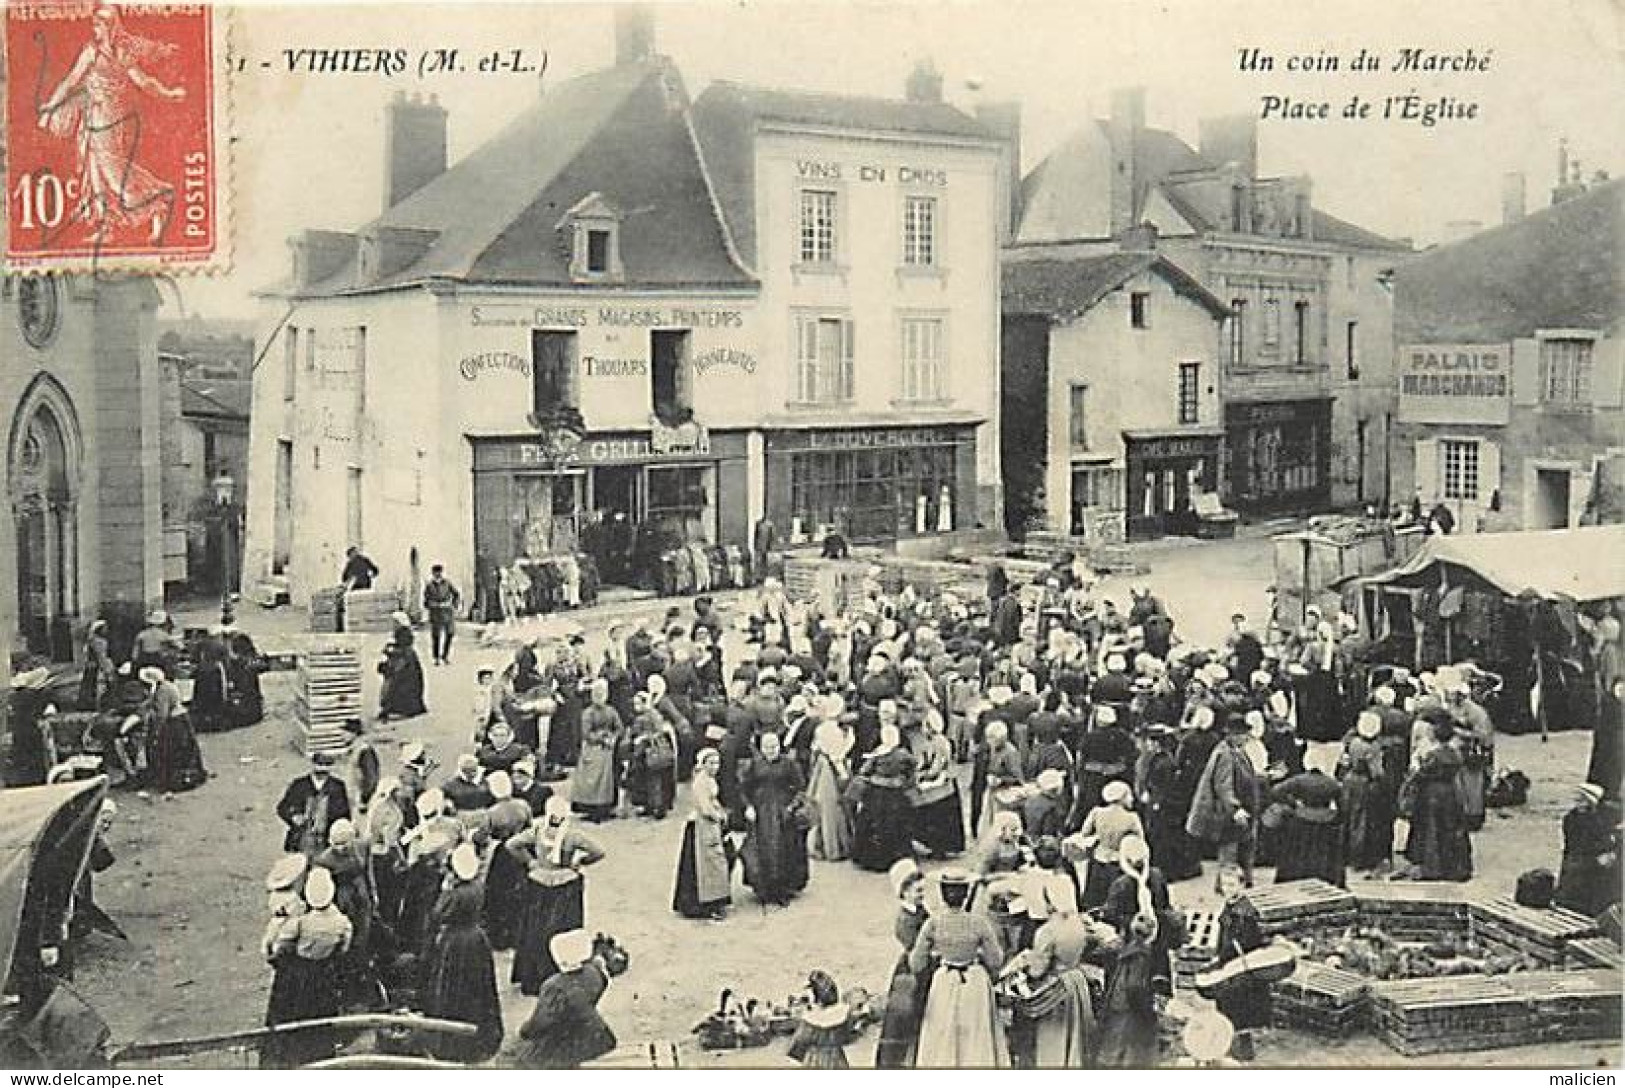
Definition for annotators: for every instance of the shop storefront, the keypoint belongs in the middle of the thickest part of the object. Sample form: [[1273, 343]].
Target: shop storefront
[[622, 498], [875, 483], [1279, 454], [1167, 472]]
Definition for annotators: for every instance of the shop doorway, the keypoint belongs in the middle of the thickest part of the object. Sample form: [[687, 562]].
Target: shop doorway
[[1551, 498], [617, 500]]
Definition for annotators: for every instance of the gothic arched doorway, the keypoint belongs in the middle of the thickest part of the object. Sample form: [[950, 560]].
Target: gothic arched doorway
[[43, 484]]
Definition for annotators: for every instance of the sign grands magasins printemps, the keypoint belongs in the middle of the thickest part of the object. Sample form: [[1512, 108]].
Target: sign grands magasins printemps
[[1455, 383]]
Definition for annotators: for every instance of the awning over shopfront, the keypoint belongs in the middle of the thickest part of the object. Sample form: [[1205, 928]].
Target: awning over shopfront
[[1585, 564]]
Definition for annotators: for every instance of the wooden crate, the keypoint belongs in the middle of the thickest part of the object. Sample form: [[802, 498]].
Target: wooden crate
[[1541, 933], [1593, 952], [1479, 1012], [327, 697], [1321, 1000], [1201, 945], [1302, 905], [1413, 910]]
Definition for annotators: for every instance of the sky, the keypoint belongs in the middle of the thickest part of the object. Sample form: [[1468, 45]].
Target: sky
[[308, 148]]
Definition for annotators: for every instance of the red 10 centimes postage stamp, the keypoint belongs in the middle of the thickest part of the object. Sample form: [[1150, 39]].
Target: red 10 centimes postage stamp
[[115, 159]]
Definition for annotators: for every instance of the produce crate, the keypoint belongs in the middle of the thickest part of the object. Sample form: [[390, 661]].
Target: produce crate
[[1321, 1000], [1593, 952], [1481, 1012], [1413, 910], [1201, 946], [837, 583], [372, 609], [1301, 906], [1541, 933], [327, 610]]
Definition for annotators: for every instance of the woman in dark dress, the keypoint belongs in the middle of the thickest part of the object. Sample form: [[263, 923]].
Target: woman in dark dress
[[1245, 1002], [462, 979], [30, 755], [173, 756], [882, 831], [1128, 1022], [553, 855], [1310, 840], [939, 817], [505, 881], [1439, 847], [905, 998], [99, 673], [210, 705], [1142, 889], [244, 666], [565, 1029], [568, 677], [306, 952], [402, 693], [1156, 784], [776, 839]]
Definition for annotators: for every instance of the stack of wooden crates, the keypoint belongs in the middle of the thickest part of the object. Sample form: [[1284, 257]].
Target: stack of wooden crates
[[328, 701]]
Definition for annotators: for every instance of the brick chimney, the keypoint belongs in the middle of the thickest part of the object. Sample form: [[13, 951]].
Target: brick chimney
[[1003, 120], [924, 83], [1125, 124], [1513, 197], [634, 33], [414, 145]]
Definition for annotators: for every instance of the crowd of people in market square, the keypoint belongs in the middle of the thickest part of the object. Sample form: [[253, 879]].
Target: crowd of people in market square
[[1065, 761]]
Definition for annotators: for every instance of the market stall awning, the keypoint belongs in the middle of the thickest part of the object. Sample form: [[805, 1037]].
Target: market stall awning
[[45, 836], [1585, 564]]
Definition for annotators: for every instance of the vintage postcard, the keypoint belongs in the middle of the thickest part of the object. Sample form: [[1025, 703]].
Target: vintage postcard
[[897, 535]]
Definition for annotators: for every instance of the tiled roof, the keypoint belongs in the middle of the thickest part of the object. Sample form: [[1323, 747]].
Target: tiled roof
[[726, 116], [1340, 232], [1556, 268], [1063, 288], [220, 399], [493, 215]]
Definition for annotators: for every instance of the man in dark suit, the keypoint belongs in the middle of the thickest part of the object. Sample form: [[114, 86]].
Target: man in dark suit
[[311, 804]]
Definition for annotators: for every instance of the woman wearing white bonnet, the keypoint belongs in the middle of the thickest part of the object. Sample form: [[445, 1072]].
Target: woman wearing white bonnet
[[1368, 818], [900, 1031], [462, 979], [553, 853], [565, 1029], [505, 878], [1063, 1027], [1102, 835], [305, 955]]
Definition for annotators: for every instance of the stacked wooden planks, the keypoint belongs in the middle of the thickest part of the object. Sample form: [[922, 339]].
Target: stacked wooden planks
[[1481, 1012], [1541, 933], [838, 584], [372, 609], [1321, 1000], [1201, 945], [1303, 906], [1593, 952], [327, 610], [327, 701], [1413, 910]]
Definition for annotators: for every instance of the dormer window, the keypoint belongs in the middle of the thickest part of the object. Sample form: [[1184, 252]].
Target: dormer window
[[592, 229]]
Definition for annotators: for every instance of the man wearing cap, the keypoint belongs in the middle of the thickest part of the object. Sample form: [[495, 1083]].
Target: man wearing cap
[[311, 804], [359, 571], [1228, 801], [442, 601]]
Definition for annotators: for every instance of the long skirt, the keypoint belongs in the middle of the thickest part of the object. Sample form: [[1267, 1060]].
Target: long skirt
[[653, 791], [301, 989], [960, 1028], [1062, 1040], [1439, 845], [1368, 823], [830, 837], [463, 986], [548, 911], [175, 759], [504, 899], [1097, 882], [900, 1030], [1305, 849], [703, 871], [940, 825], [593, 789], [882, 832]]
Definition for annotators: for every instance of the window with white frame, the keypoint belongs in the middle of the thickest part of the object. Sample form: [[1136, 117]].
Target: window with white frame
[[920, 231], [818, 207], [922, 358], [824, 370], [1458, 461], [1565, 372], [1190, 392]]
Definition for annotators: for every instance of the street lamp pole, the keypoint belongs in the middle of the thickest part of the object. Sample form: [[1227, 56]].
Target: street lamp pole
[[225, 494]]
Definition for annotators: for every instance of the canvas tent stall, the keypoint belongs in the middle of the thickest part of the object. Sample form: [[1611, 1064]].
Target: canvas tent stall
[[46, 833], [1512, 602], [1316, 565]]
